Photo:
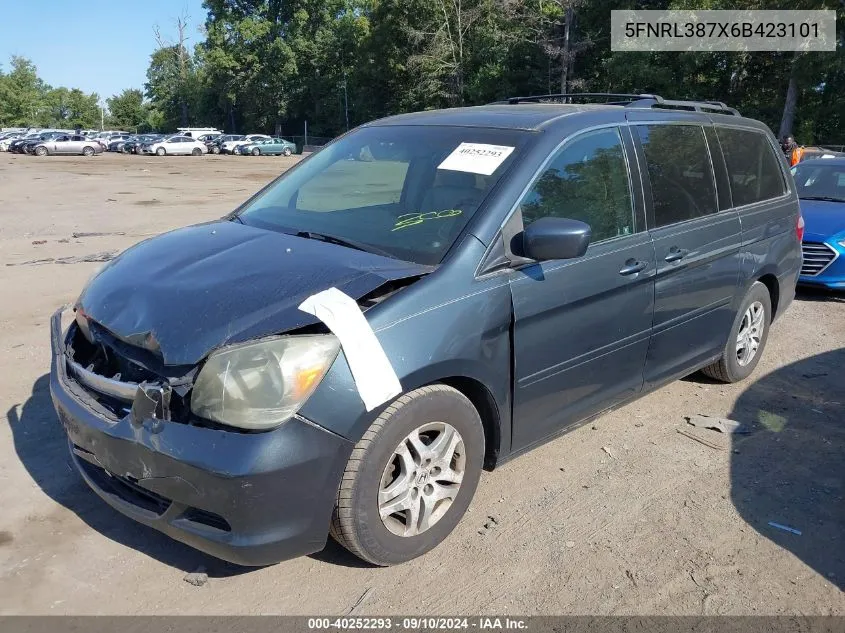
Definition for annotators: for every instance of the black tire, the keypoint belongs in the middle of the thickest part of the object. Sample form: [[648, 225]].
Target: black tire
[[287, 151], [728, 368], [196, 152], [215, 150], [256, 151], [41, 151], [356, 522], [87, 151], [161, 151]]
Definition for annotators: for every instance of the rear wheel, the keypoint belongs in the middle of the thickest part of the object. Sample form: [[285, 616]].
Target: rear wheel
[[747, 338], [196, 152], [215, 150], [256, 151], [161, 151], [87, 151], [41, 151], [411, 477]]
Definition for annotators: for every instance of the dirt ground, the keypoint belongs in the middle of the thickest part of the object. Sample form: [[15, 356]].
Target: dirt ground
[[623, 516]]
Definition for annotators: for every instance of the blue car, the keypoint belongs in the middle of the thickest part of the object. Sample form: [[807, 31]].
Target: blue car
[[821, 193]]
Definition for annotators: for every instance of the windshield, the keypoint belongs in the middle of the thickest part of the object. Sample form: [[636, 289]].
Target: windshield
[[820, 181], [407, 191]]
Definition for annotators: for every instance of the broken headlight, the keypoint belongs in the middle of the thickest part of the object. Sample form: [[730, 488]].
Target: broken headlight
[[261, 384]]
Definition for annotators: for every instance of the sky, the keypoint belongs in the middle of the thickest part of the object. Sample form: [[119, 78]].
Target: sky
[[100, 46]]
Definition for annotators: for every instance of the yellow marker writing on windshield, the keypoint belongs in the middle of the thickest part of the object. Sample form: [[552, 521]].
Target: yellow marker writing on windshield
[[412, 219]]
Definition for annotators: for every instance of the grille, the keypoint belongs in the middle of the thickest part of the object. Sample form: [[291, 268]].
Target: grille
[[817, 257]]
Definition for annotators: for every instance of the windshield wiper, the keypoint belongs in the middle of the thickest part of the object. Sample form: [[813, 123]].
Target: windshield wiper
[[342, 241], [825, 198]]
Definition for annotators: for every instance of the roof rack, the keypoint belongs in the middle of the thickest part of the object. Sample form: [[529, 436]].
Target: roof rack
[[629, 100]]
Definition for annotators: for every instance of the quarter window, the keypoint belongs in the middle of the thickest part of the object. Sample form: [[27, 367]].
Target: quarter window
[[682, 184], [753, 169], [587, 181]]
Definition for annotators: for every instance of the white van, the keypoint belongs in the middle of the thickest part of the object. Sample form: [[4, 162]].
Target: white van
[[196, 132]]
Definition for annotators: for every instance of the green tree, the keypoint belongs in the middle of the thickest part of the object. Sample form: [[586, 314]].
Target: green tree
[[22, 94], [127, 111], [69, 108], [271, 65]]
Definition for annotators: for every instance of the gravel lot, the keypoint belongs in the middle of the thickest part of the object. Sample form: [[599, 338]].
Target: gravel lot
[[622, 516]]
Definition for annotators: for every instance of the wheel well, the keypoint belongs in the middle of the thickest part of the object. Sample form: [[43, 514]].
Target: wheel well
[[771, 282], [484, 403]]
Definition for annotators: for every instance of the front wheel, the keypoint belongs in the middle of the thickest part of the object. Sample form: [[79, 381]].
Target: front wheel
[[747, 339], [196, 152], [287, 151], [215, 150], [161, 151], [256, 151], [411, 477], [87, 151], [41, 151]]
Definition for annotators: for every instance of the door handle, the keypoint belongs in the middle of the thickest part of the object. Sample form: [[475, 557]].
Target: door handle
[[633, 266], [676, 254]]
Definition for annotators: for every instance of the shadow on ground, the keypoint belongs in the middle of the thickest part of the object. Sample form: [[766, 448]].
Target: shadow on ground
[[791, 469], [815, 293]]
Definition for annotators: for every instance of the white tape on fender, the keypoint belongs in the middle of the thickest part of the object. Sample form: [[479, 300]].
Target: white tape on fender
[[476, 158], [374, 376]]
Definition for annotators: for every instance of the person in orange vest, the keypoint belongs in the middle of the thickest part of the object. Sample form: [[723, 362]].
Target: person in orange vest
[[797, 155], [788, 145]]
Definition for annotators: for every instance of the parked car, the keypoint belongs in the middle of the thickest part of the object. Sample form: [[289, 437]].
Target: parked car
[[267, 146], [821, 192], [67, 144], [116, 143], [7, 140], [215, 144], [107, 136], [130, 146], [113, 141], [175, 145], [18, 145], [228, 147], [430, 294], [802, 153]]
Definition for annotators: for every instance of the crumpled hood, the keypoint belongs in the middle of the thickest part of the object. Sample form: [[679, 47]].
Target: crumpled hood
[[187, 292], [822, 218]]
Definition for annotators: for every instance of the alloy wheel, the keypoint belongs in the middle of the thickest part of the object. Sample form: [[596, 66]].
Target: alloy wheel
[[750, 333], [422, 479]]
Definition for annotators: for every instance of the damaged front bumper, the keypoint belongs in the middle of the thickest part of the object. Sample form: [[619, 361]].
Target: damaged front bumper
[[248, 498]]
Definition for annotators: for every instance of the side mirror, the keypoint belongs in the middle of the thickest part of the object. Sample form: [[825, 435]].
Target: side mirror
[[556, 238]]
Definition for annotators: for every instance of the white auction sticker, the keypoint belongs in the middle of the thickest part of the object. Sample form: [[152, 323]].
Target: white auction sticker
[[371, 369], [476, 158]]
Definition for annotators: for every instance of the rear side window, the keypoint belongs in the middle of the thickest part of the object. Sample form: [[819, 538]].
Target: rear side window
[[682, 185], [753, 169], [587, 181]]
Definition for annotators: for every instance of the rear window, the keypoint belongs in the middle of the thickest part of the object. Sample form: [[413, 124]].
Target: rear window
[[682, 184], [753, 169]]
